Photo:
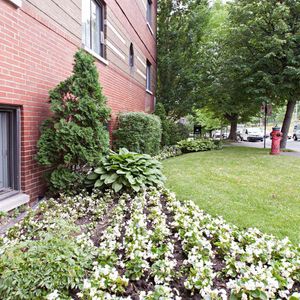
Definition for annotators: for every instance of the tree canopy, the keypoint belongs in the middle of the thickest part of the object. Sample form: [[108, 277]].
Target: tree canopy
[[181, 26]]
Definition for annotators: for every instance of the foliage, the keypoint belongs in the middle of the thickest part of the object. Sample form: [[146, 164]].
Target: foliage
[[218, 144], [197, 145], [223, 74], [238, 183], [181, 26], [206, 119], [178, 132], [126, 171], [32, 269], [165, 124], [76, 134], [140, 240], [168, 151], [138, 132], [266, 34]]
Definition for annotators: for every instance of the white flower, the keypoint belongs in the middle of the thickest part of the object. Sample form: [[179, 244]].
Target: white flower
[[86, 284], [53, 296]]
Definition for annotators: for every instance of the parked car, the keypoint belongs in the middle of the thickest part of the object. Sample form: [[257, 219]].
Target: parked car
[[296, 132], [217, 135], [252, 134]]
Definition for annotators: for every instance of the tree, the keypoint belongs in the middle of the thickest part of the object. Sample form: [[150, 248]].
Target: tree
[[76, 135], [207, 120], [267, 34], [181, 26], [223, 73]]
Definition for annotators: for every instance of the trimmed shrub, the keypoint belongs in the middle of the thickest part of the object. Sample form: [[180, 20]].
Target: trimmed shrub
[[178, 132], [76, 135], [197, 145], [138, 132], [126, 171], [34, 269]]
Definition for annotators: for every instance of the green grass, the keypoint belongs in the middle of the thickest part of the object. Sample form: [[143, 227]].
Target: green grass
[[247, 186]]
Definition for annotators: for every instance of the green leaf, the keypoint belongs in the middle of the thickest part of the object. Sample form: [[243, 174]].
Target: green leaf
[[233, 297], [98, 183], [117, 186], [136, 187], [99, 171], [92, 176], [112, 178]]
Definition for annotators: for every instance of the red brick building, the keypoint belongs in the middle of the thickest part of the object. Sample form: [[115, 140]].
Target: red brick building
[[37, 42]]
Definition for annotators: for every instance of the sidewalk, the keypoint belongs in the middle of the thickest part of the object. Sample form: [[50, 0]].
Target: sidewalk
[[291, 145]]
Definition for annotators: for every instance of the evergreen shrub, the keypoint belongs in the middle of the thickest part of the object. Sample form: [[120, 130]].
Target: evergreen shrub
[[76, 135]]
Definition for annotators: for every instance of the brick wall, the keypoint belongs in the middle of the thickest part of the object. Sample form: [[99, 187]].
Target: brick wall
[[36, 53]]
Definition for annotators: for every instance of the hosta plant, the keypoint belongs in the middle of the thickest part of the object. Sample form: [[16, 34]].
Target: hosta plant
[[126, 171], [197, 145]]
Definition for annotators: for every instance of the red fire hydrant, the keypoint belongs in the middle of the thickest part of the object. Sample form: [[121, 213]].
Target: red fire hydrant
[[276, 135]]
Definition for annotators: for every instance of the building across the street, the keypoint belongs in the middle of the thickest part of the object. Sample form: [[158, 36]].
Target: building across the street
[[37, 42]]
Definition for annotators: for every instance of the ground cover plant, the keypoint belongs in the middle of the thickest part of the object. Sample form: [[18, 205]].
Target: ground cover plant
[[147, 245], [247, 186], [167, 152]]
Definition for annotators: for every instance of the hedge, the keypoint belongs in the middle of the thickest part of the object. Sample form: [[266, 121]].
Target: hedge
[[138, 132]]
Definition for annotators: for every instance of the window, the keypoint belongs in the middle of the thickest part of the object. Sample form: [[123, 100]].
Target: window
[[149, 12], [148, 76], [93, 26], [9, 157], [131, 56]]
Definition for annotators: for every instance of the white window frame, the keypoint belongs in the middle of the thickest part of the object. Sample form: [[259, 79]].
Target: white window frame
[[87, 31]]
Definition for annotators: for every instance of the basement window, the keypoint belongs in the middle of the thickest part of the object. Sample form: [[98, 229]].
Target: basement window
[[9, 151], [93, 37]]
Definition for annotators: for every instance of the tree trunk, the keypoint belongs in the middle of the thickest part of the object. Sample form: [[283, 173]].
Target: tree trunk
[[233, 128], [287, 122]]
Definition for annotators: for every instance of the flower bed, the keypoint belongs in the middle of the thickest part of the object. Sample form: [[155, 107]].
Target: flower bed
[[150, 246]]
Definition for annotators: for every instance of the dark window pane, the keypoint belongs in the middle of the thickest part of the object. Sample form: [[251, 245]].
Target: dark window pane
[[149, 12], [4, 151], [131, 56], [148, 76]]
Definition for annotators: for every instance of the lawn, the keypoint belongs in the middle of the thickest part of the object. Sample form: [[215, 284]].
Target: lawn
[[247, 186]]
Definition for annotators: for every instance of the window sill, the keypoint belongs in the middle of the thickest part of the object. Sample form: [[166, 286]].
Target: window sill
[[150, 28], [14, 201], [17, 3], [149, 92], [97, 56]]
